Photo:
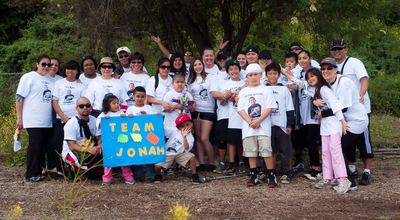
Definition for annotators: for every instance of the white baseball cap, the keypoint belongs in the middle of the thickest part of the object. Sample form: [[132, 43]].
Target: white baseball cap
[[126, 49], [253, 68]]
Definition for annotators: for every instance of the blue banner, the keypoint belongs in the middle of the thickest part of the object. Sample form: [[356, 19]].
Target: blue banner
[[133, 141]]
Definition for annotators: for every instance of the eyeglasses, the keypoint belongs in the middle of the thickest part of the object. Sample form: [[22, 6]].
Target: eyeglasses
[[122, 56], [81, 106], [46, 64], [337, 48], [106, 67], [188, 55], [295, 48], [165, 67], [326, 68], [221, 58], [133, 62]]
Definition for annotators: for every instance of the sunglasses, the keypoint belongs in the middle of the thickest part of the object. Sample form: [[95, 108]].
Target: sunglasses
[[165, 67], [188, 55], [337, 48], [221, 58], [122, 56], [106, 67], [326, 68], [81, 106], [133, 62], [46, 64], [295, 48]]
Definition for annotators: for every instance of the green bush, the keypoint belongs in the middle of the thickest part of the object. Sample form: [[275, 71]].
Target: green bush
[[384, 92]]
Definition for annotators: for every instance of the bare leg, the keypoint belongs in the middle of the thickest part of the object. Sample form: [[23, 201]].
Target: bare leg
[[193, 165], [269, 162], [232, 152], [205, 135], [157, 168], [199, 144], [367, 163]]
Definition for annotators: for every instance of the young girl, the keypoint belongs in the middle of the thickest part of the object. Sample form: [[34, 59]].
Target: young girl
[[111, 108], [332, 128], [204, 116]]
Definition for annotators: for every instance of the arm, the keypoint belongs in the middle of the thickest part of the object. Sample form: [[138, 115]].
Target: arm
[[19, 106], [364, 88], [163, 49], [264, 115], [185, 133], [58, 110], [165, 105], [221, 46], [245, 117], [74, 146]]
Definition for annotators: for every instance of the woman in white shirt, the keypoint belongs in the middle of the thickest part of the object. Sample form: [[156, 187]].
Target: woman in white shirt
[[88, 66]]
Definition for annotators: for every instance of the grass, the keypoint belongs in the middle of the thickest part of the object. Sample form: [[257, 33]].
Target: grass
[[385, 131]]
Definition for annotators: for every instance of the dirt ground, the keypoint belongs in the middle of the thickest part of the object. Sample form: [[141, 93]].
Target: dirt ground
[[219, 199]]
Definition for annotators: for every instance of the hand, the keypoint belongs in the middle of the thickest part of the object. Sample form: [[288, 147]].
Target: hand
[[288, 131], [19, 124], [361, 99], [156, 39], [122, 115], [223, 44], [116, 75], [266, 82], [167, 107], [319, 103], [78, 81], [192, 107], [65, 119], [158, 113], [291, 87], [178, 106], [246, 83], [319, 114], [130, 115], [143, 112], [232, 98], [186, 132], [228, 94], [255, 124], [345, 127]]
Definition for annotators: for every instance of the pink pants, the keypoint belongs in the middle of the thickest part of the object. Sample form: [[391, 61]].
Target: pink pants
[[332, 157], [126, 172]]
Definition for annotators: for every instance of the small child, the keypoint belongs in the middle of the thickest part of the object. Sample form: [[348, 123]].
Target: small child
[[111, 108], [256, 103], [282, 121], [139, 108], [177, 148], [173, 97]]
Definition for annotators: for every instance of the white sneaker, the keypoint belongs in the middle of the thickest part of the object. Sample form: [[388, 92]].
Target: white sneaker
[[335, 182], [344, 186], [323, 184]]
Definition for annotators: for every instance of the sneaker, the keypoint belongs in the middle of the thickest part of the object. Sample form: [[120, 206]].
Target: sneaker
[[262, 177], [182, 169], [131, 182], [35, 178], [354, 174], [291, 175], [313, 175], [253, 180], [243, 168], [343, 186], [105, 183], [365, 179], [220, 169], [335, 182], [158, 179], [298, 168], [323, 184], [285, 179], [272, 180], [211, 168], [201, 167], [149, 180], [45, 171], [171, 171], [231, 170], [195, 179]]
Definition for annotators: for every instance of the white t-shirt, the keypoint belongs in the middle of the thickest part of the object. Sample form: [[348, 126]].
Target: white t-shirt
[[137, 110], [254, 101], [137, 80], [37, 109], [57, 77], [67, 93], [355, 70], [99, 88], [201, 91], [282, 78], [169, 120], [348, 95], [330, 125], [305, 100], [235, 120], [72, 132], [284, 102], [164, 86], [212, 71], [102, 115], [218, 81], [86, 81], [174, 145]]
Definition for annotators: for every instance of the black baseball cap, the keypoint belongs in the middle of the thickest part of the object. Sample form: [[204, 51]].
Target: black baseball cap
[[338, 43], [265, 54], [252, 49], [296, 44], [223, 53]]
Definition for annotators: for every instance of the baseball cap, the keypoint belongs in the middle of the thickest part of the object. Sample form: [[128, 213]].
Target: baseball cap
[[232, 62], [265, 54], [182, 118], [252, 49], [253, 68], [338, 43], [223, 53], [126, 49], [329, 61], [106, 60], [296, 44]]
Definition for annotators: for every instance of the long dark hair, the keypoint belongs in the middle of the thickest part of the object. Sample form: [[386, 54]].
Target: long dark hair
[[183, 68], [321, 81], [160, 62], [192, 73], [107, 101], [72, 65]]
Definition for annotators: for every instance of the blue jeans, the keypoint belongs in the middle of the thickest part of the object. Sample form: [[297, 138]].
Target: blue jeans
[[138, 171]]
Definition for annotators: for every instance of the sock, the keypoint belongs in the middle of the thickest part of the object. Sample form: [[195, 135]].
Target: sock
[[299, 158], [222, 163], [253, 171], [352, 168], [343, 178], [367, 171], [241, 162], [232, 164]]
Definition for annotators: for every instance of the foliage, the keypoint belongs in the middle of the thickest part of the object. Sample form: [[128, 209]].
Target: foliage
[[178, 212], [13, 212], [384, 129], [384, 92]]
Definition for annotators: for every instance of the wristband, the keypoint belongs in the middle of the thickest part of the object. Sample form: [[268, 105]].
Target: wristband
[[240, 88], [223, 97]]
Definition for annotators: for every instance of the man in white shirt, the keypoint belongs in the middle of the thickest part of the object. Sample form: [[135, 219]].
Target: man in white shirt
[[123, 57], [355, 70]]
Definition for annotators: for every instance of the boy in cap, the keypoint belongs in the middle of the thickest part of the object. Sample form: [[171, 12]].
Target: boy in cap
[[255, 105], [177, 148]]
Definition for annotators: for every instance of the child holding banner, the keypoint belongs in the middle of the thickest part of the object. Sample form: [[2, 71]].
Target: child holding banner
[[177, 148], [139, 108], [111, 108]]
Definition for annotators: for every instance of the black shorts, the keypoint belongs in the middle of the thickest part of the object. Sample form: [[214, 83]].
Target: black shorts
[[234, 136], [204, 116], [222, 130]]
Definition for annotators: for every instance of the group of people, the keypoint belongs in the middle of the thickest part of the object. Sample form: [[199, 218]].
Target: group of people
[[248, 106]]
